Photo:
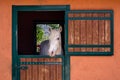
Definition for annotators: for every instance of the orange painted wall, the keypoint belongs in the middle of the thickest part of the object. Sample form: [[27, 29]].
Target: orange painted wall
[[82, 67]]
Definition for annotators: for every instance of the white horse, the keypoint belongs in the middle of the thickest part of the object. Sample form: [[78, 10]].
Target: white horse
[[52, 46]]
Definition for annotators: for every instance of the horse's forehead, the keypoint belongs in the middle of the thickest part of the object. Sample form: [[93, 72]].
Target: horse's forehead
[[55, 32]]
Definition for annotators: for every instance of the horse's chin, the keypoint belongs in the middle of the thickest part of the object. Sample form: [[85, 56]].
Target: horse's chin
[[52, 55]]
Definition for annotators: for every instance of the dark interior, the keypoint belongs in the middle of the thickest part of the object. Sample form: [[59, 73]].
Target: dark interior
[[27, 29]]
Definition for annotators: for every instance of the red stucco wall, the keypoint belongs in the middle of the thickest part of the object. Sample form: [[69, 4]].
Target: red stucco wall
[[82, 67]]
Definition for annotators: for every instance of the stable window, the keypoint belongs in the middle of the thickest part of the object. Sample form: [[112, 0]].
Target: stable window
[[90, 32], [27, 62]]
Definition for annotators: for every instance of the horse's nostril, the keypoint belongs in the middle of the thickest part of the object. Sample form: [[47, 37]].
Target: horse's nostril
[[52, 52]]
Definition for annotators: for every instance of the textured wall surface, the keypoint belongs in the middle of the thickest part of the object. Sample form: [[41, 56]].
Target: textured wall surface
[[82, 67]]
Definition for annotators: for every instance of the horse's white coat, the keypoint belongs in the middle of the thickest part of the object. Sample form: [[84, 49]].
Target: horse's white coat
[[55, 42]]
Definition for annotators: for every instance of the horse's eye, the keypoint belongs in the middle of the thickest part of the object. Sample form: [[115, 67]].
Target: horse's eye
[[57, 38]]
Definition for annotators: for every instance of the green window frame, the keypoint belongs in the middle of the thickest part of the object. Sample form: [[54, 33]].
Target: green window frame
[[16, 63]]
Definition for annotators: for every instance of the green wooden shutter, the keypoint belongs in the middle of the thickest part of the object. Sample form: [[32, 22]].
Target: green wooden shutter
[[90, 32]]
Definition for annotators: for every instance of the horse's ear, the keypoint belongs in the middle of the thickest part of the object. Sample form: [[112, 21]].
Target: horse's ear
[[60, 28]]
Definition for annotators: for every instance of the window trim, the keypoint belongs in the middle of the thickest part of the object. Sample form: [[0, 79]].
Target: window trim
[[15, 56]]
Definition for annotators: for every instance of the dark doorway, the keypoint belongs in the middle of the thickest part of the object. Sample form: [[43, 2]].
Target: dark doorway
[[27, 30]]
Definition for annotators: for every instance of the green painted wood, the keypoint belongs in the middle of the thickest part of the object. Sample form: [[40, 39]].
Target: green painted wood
[[41, 8], [67, 67], [66, 32], [38, 56], [89, 46], [112, 31], [90, 11], [90, 53], [111, 46], [40, 63], [89, 18], [14, 43]]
